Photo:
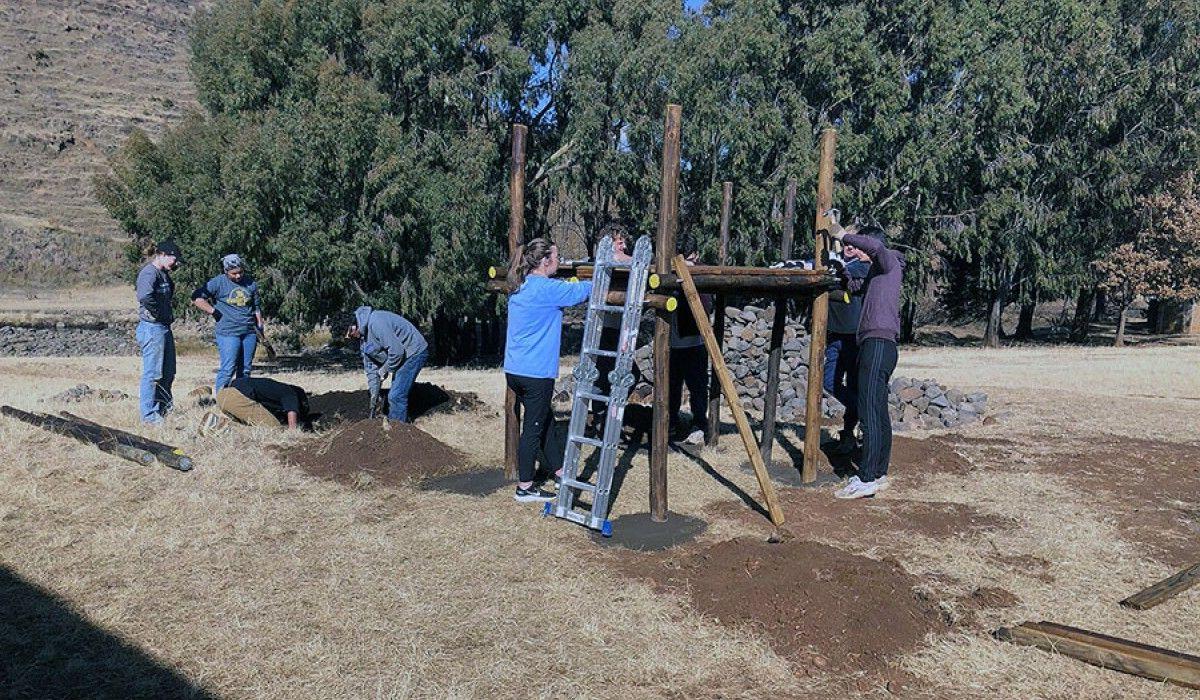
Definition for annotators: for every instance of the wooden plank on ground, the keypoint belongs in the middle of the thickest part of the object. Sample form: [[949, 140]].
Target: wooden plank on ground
[[730, 391], [1108, 652], [1167, 588]]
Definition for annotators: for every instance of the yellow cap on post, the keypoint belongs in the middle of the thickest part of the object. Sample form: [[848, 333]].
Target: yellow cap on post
[[492, 272], [672, 303], [654, 280], [574, 279]]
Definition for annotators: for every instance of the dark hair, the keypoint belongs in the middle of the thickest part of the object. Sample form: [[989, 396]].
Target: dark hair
[[874, 232], [528, 257], [339, 324], [686, 245]]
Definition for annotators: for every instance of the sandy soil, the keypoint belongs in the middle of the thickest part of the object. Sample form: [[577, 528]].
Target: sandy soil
[[250, 578]]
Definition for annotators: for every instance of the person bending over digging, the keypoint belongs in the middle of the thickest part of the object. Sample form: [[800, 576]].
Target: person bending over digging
[[262, 402], [390, 344], [231, 299], [878, 329], [531, 355]]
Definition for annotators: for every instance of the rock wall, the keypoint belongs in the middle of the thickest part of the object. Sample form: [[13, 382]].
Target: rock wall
[[913, 403]]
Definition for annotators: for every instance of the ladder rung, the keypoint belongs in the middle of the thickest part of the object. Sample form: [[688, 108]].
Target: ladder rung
[[594, 397], [581, 485], [587, 440], [610, 308], [601, 353]]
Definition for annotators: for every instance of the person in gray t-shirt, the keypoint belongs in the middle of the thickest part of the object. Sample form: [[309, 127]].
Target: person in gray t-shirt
[[154, 289], [232, 299]]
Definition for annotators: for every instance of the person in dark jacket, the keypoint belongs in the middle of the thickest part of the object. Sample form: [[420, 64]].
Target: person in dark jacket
[[841, 342], [390, 344], [689, 364], [154, 288], [878, 331], [231, 299]]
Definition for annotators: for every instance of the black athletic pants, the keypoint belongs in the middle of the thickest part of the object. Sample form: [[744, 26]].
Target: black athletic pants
[[537, 425], [876, 362], [690, 366]]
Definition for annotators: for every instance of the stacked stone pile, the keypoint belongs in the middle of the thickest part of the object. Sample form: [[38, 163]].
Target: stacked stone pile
[[913, 403]]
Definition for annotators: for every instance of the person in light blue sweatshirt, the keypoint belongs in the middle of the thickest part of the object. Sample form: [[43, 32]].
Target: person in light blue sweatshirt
[[154, 289], [232, 300], [531, 355]]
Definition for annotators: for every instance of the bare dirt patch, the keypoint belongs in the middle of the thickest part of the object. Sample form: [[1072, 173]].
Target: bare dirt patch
[[424, 399], [1153, 488], [363, 453], [823, 609]]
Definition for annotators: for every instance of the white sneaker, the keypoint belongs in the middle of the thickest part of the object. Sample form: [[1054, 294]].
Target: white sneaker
[[882, 484], [856, 488], [696, 437]]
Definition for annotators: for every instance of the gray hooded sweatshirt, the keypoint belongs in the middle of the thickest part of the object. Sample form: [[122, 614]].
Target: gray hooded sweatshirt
[[388, 340]]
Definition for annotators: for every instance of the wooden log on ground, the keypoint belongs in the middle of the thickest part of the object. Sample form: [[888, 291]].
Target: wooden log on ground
[[714, 389], [168, 455], [1113, 653], [664, 251], [820, 316], [726, 380], [1165, 589], [84, 434], [516, 227], [660, 302], [778, 324]]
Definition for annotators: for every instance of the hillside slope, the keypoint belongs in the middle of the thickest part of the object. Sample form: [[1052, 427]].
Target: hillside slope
[[76, 76]]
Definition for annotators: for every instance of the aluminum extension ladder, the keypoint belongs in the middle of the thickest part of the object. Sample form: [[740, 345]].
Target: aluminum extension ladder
[[586, 391]]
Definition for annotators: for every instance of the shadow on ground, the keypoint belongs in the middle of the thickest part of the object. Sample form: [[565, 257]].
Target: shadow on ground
[[48, 650]]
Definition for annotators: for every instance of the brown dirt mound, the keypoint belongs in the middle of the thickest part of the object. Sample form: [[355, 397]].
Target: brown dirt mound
[[363, 453], [424, 399], [822, 608]]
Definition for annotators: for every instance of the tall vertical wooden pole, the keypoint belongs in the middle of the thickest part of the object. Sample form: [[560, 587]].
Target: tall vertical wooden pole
[[516, 227], [778, 325], [664, 251], [714, 392], [820, 314]]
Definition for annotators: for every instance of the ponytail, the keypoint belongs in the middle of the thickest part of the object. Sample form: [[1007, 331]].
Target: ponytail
[[149, 250], [528, 257]]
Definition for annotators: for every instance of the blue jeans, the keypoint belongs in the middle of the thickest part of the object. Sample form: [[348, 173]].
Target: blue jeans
[[402, 382], [841, 375], [236, 354], [158, 370]]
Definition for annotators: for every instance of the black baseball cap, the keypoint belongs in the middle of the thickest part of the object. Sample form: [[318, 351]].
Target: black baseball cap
[[169, 247]]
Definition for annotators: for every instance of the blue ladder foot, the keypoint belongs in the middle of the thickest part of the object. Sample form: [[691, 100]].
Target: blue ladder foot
[[546, 509], [606, 529]]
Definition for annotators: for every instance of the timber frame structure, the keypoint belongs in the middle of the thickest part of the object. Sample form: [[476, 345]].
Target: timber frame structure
[[672, 276]]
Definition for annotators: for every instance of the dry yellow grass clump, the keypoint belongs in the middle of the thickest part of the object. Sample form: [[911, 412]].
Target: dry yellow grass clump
[[247, 578]]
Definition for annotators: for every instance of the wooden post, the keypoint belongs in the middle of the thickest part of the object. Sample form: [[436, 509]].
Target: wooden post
[[820, 315], [1167, 588], [735, 406], [664, 250], [714, 392], [516, 227], [778, 325]]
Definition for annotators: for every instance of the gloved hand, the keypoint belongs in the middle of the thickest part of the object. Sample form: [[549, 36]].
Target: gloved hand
[[373, 408], [216, 314]]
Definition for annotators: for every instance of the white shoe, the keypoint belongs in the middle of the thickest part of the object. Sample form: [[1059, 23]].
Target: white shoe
[[882, 484], [856, 488], [696, 437]]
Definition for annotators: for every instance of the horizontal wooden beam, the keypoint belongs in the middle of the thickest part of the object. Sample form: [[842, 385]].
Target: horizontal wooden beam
[[660, 302], [1108, 652], [1167, 588]]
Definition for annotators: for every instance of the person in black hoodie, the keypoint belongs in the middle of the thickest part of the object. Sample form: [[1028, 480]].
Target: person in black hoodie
[[689, 364]]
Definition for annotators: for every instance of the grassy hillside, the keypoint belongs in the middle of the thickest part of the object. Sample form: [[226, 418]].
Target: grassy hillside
[[75, 79]]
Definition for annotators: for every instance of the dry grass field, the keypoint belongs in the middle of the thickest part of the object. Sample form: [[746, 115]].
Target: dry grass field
[[249, 578]]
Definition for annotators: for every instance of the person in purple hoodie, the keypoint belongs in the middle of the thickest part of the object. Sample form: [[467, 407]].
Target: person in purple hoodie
[[878, 330]]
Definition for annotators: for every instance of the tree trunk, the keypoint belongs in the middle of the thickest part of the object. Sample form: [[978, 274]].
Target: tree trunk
[[991, 336], [1120, 340], [908, 317], [1083, 314], [1025, 321], [1101, 305]]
